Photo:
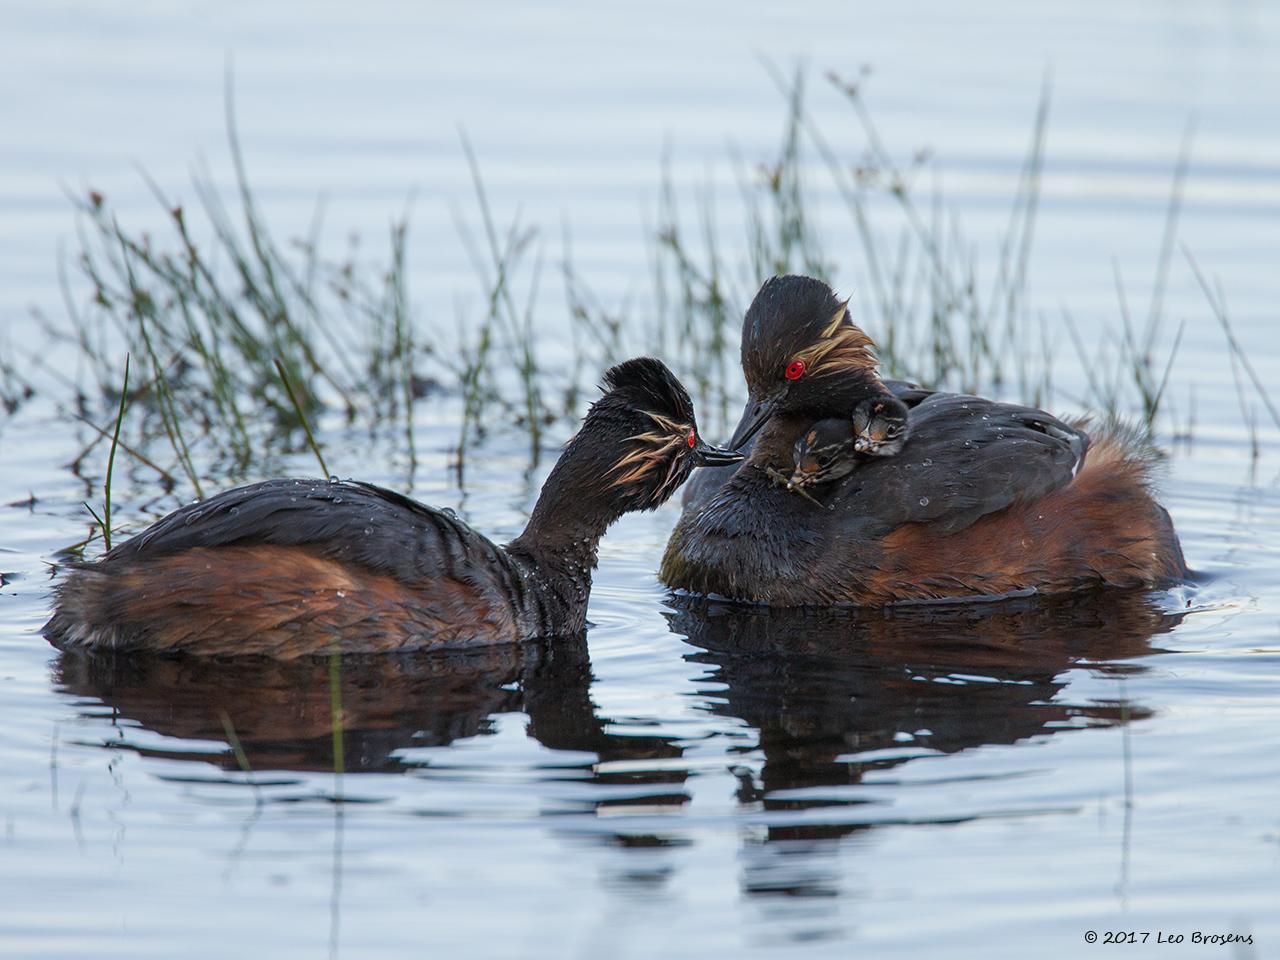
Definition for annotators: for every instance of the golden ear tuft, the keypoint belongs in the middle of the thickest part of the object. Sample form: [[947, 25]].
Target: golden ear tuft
[[654, 449], [834, 324], [843, 346]]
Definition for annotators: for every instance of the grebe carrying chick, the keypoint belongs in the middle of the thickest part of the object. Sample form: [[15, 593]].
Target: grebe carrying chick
[[983, 498]]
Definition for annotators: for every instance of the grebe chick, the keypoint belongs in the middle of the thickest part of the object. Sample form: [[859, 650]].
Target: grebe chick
[[829, 449], [288, 568], [880, 426], [823, 453]]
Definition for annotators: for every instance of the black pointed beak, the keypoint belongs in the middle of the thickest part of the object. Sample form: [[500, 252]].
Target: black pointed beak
[[706, 455], [755, 418]]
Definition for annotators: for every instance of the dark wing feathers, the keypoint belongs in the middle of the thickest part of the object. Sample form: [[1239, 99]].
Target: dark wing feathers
[[348, 521], [909, 393], [966, 457]]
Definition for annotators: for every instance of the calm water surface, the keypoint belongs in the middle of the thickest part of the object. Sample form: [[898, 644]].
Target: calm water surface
[[686, 779]]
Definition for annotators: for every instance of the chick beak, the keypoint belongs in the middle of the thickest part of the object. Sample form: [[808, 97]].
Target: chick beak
[[861, 444]]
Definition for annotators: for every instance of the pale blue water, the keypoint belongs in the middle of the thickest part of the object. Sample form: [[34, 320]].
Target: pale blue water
[[688, 783]]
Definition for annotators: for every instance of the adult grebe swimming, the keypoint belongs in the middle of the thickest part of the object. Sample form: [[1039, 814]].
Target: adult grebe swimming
[[983, 498], [292, 567]]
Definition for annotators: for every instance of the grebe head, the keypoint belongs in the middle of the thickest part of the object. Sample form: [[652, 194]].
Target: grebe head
[[801, 353], [635, 447], [880, 426], [647, 433]]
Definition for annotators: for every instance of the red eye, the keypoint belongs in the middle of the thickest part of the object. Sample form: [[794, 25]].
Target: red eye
[[691, 439], [795, 369]]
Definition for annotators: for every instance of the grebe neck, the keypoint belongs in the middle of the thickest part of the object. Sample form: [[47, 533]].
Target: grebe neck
[[570, 517]]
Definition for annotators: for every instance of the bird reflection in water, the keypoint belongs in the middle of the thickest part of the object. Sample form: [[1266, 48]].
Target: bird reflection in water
[[827, 697], [834, 695], [281, 711], [279, 715]]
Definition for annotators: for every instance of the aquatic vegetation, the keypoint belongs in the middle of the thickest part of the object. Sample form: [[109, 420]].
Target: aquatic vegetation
[[225, 315], [15, 389]]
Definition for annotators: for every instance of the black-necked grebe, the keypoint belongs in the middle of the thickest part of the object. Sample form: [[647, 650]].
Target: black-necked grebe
[[984, 498], [286, 568]]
